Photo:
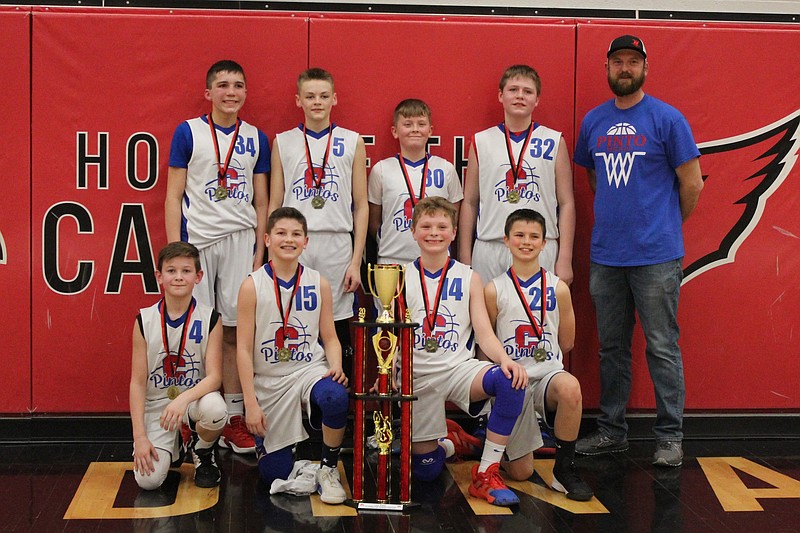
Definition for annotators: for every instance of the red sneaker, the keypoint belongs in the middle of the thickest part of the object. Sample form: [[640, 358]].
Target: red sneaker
[[465, 444], [235, 436], [489, 486]]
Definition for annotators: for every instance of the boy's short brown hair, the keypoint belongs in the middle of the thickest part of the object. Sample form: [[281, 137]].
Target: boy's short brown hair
[[226, 65], [523, 71], [524, 215], [431, 205], [314, 73], [287, 212], [411, 107], [179, 249]]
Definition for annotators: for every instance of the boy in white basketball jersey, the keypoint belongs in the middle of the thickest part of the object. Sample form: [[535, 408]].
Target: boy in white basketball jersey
[[531, 311], [319, 168], [515, 164], [217, 200], [446, 297], [397, 183], [176, 371], [290, 360]]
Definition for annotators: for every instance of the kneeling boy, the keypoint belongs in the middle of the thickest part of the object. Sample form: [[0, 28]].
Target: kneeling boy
[[285, 318]]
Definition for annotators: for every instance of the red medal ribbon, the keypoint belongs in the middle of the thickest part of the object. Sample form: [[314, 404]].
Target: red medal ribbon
[[284, 315], [309, 165], [539, 329], [162, 309], [430, 318], [423, 181], [516, 166], [222, 170]]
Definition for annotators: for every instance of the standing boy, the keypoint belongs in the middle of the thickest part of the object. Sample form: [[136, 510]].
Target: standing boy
[[446, 297], [517, 163], [531, 311], [285, 319], [217, 200], [396, 184], [175, 375], [319, 168], [644, 168]]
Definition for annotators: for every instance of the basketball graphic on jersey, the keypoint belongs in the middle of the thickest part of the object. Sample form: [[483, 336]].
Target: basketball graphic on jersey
[[233, 181], [525, 184], [295, 337], [525, 340], [445, 330]]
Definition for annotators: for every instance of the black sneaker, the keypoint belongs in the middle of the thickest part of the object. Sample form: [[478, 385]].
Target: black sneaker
[[567, 480], [598, 442], [206, 472]]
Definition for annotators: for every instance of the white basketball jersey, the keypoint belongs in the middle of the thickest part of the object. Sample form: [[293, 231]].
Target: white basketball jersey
[[388, 188], [452, 328], [336, 186], [207, 219], [183, 371], [301, 335], [514, 329], [535, 186]]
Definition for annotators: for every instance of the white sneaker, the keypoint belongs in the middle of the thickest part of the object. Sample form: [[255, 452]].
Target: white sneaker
[[329, 486]]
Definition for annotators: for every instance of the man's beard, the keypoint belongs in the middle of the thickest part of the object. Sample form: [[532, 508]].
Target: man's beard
[[620, 88]]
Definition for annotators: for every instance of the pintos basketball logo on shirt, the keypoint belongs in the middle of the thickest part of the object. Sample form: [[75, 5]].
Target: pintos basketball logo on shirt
[[295, 337], [525, 187], [525, 341], [179, 371], [623, 145], [445, 331], [234, 183], [305, 188]]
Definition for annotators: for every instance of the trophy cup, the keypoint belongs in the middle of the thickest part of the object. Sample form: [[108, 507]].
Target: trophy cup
[[385, 283]]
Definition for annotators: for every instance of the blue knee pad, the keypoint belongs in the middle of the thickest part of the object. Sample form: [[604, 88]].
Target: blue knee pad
[[507, 401], [333, 402], [275, 465], [428, 466]]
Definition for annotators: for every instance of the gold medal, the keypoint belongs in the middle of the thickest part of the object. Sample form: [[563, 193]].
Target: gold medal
[[173, 392], [431, 344], [221, 193], [284, 355], [318, 202], [539, 355], [513, 196]]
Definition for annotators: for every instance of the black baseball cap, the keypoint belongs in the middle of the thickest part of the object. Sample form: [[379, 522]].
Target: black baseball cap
[[627, 42]]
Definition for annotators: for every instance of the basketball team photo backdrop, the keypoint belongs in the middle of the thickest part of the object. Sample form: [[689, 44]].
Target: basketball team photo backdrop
[[106, 89]]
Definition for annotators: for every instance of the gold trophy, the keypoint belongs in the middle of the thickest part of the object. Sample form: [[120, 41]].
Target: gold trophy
[[386, 284]]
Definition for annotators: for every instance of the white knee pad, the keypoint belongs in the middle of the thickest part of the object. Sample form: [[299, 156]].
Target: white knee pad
[[156, 478], [209, 412]]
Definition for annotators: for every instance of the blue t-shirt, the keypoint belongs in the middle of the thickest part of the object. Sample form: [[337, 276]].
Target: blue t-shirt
[[634, 153]]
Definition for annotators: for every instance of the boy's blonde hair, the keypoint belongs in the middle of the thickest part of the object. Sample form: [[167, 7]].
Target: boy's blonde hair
[[522, 71], [314, 73], [411, 107], [432, 205]]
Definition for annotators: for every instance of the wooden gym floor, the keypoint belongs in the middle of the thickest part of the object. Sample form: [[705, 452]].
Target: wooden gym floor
[[724, 485]]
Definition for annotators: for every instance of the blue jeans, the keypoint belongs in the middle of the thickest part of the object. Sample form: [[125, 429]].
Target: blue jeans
[[652, 292]]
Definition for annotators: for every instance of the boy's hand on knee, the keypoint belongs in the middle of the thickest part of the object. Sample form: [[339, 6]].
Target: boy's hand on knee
[[256, 422], [144, 453], [515, 371]]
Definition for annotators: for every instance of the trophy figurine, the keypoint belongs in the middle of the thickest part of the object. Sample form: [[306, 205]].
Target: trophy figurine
[[385, 283]]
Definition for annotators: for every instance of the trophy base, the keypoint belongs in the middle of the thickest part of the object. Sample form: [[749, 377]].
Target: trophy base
[[376, 507]]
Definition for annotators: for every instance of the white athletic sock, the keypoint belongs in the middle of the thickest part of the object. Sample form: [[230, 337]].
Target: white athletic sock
[[449, 447], [492, 453], [202, 444], [235, 404]]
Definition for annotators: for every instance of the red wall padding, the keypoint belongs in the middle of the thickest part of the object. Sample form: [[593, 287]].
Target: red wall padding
[[126, 78]]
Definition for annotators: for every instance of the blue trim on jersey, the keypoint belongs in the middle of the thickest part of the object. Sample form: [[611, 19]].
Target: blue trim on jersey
[[180, 151], [317, 134], [415, 164], [528, 282], [436, 274], [263, 163], [181, 319], [284, 284], [516, 136]]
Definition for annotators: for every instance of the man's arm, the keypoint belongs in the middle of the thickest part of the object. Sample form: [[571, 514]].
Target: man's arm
[[565, 196], [176, 185], [468, 217], [691, 183]]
